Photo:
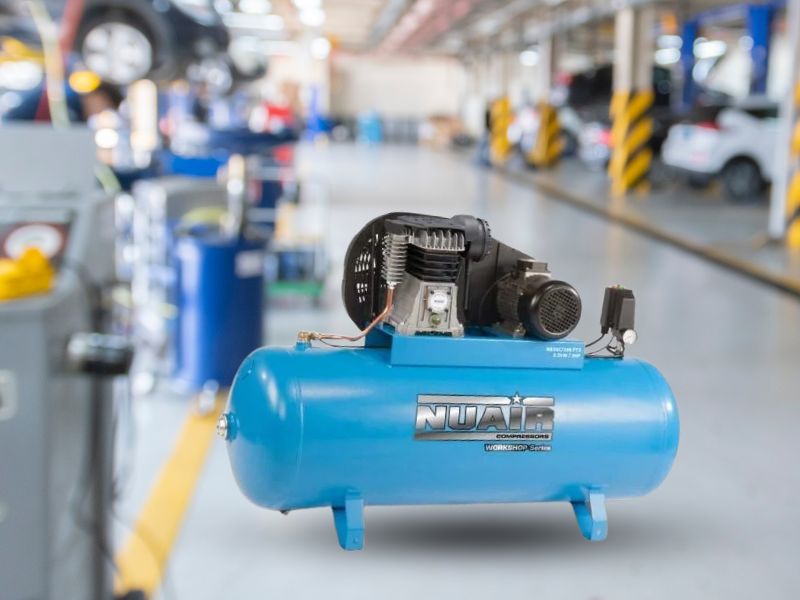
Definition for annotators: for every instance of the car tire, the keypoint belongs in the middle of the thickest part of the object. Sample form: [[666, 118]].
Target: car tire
[[698, 182], [742, 180], [100, 39], [570, 144]]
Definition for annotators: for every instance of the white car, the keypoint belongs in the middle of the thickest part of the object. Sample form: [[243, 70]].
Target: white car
[[738, 147]]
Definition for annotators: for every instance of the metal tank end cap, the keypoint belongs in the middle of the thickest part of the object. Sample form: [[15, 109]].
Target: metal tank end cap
[[224, 426]]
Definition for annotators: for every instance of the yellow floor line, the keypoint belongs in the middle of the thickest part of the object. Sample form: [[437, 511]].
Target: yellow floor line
[[142, 559]]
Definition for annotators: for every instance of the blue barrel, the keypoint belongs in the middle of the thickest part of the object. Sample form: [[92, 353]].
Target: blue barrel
[[436, 420], [220, 295]]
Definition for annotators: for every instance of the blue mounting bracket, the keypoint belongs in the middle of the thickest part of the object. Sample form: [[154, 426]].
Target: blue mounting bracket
[[349, 520], [478, 348], [591, 515]]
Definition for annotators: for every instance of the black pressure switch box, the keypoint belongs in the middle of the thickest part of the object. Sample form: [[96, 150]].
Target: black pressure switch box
[[619, 307]]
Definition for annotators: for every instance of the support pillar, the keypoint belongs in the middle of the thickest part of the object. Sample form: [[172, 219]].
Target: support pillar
[[759, 24], [784, 221], [689, 32], [632, 101], [549, 145], [500, 112], [500, 118]]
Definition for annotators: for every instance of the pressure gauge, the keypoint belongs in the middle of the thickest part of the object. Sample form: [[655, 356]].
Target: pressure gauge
[[438, 301], [45, 237]]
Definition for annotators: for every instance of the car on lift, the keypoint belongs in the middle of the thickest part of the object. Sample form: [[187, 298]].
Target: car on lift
[[126, 40], [736, 146], [584, 113]]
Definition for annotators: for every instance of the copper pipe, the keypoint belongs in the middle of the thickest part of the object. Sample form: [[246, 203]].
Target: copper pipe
[[313, 335]]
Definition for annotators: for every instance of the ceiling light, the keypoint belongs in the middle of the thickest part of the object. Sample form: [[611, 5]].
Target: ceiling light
[[670, 41], [529, 58], [667, 56], [710, 49], [307, 4], [254, 7], [263, 22], [223, 7], [312, 17], [280, 48], [320, 48]]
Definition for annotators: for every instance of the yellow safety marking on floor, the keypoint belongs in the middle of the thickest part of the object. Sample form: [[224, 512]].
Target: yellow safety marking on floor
[[142, 560], [631, 132], [549, 144]]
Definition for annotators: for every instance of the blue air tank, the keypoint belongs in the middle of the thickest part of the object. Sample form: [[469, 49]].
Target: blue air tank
[[436, 420]]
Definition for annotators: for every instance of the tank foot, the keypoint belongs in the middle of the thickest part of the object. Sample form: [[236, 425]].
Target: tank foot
[[591, 516], [349, 521]]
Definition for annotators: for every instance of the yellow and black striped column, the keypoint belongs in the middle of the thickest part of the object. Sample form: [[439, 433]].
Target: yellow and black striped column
[[631, 130], [549, 145], [500, 120], [793, 197]]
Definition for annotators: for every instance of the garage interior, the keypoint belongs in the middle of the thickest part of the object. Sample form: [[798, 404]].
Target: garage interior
[[185, 182]]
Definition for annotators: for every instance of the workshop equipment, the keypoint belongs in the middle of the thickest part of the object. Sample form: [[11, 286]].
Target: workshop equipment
[[56, 431], [220, 295], [466, 390], [147, 230], [220, 292]]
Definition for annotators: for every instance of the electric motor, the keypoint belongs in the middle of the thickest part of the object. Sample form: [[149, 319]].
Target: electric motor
[[531, 303]]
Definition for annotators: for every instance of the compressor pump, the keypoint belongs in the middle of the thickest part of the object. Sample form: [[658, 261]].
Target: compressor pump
[[466, 389]]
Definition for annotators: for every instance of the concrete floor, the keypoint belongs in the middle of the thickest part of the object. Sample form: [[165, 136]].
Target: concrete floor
[[724, 524], [702, 217]]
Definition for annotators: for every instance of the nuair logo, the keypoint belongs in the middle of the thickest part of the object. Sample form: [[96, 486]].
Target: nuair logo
[[449, 418]]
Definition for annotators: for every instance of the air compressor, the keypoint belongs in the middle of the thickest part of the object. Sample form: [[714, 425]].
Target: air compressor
[[467, 389]]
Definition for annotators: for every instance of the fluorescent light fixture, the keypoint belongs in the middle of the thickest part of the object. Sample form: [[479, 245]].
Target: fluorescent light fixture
[[307, 4], [280, 48], [255, 7], [320, 48], [312, 17], [254, 22], [670, 41], [106, 138], [529, 58], [667, 56], [20, 75], [223, 7], [710, 49]]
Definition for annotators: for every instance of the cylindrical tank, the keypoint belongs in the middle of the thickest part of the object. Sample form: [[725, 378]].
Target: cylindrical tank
[[308, 426], [220, 296]]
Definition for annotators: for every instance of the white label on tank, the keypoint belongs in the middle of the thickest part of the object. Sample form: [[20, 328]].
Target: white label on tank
[[249, 263], [8, 395]]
